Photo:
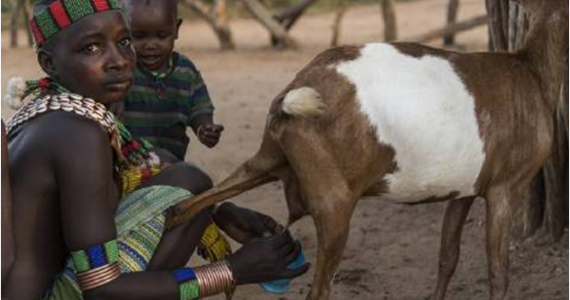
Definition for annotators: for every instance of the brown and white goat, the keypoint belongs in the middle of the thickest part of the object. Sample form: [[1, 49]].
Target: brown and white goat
[[410, 124]]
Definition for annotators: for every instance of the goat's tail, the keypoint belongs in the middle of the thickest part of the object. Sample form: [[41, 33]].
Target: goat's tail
[[254, 172], [303, 102]]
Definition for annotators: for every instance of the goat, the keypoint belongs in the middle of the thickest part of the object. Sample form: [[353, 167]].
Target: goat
[[410, 124]]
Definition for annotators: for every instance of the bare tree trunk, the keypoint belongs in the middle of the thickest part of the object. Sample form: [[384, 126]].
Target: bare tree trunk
[[26, 18], [217, 17], [546, 202], [389, 15], [261, 14], [498, 11], [452, 9], [14, 23], [223, 25], [556, 170], [341, 9], [518, 27], [564, 99]]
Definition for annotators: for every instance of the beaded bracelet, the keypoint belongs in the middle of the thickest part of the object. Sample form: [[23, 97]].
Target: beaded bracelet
[[204, 281], [97, 265]]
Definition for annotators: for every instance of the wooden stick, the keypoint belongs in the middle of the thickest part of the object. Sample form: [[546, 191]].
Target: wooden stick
[[452, 9], [341, 9], [389, 16]]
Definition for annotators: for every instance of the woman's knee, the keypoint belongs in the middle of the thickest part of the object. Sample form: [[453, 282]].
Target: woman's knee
[[191, 178]]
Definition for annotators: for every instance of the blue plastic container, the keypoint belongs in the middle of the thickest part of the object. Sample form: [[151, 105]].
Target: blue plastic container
[[281, 286]]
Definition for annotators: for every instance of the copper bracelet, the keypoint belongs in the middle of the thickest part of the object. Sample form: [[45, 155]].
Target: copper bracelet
[[97, 277], [214, 278]]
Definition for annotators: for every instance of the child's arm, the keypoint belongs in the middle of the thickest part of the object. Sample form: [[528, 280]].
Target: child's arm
[[207, 132], [201, 112]]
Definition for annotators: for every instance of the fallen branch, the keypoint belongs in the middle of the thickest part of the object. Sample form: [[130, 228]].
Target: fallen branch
[[276, 29], [452, 29], [289, 16]]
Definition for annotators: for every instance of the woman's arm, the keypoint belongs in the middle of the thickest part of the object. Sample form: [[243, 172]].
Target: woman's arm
[[8, 244]]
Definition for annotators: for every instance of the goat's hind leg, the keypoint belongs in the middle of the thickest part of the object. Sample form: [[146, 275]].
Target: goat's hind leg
[[330, 202], [498, 206], [452, 227], [331, 212]]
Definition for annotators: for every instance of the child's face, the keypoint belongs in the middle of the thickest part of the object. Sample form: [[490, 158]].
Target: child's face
[[154, 29], [93, 57]]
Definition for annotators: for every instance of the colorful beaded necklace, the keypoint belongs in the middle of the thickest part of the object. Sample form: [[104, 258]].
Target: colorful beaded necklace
[[46, 95]]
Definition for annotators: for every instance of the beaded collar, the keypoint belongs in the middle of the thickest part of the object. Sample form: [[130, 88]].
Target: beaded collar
[[68, 102], [131, 152]]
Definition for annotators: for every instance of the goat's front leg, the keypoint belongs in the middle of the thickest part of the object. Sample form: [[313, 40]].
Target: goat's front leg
[[498, 237], [455, 214], [331, 214]]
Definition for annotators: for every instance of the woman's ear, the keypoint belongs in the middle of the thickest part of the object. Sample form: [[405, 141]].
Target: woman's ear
[[45, 59]]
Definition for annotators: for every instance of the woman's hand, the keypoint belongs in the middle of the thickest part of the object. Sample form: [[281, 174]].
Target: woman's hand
[[244, 225], [266, 259]]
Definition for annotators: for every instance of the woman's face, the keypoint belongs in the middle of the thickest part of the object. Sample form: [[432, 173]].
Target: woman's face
[[93, 57]]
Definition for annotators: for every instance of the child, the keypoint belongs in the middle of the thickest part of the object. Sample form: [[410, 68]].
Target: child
[[79, 232], [168, 93]]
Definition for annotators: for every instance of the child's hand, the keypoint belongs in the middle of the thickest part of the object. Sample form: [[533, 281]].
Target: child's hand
[[209, 134]]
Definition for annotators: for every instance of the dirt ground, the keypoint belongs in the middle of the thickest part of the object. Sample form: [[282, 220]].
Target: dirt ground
[[392, 249]]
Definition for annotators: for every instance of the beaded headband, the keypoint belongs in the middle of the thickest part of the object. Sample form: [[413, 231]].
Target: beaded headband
[[60, 14]]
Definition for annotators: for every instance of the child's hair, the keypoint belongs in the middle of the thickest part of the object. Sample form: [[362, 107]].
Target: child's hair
[[128, 3]]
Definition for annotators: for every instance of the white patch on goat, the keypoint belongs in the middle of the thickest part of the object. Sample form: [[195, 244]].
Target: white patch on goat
[[422, 109]]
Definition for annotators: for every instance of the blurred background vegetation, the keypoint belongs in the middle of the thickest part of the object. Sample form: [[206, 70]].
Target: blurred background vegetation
[[234, 8]]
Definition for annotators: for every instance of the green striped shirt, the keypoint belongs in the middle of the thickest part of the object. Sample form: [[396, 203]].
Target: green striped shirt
[[159, 110]]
